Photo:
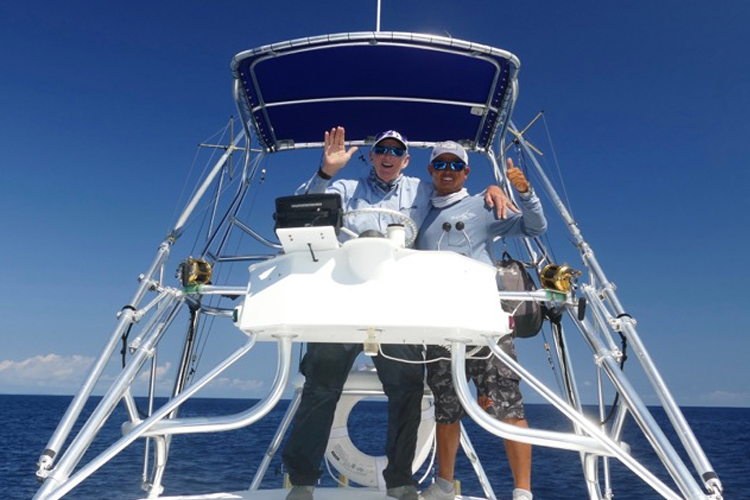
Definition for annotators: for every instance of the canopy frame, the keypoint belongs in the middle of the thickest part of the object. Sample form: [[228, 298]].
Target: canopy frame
[[374, 81]]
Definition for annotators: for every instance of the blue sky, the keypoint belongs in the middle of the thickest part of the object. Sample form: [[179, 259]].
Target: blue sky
[[103, 105]]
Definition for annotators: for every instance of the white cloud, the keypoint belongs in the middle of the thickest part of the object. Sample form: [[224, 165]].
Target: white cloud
[[161, 374], [236, 384], [725, 398], [50, 371], [55, 374]]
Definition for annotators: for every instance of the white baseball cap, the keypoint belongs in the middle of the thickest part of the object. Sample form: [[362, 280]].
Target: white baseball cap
[[449, 147]]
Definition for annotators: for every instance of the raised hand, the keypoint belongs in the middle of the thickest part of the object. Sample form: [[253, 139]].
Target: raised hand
[[516, 177], [335, 155]]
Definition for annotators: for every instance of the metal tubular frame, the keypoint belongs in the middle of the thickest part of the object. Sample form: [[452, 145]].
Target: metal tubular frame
[[230, 422], [140, 429], [471, 454], [592, 441], [640, 413], [277, 438], [602, 289], [161, 444], [59, 476], [685, 433], [598, 443], [127, 317]]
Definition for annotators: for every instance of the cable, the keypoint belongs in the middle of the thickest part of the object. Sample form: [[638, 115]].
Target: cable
[[330, 473], [460, 226], [221, 134], [432, 460], [469, 356], [446, 228], [207, 327], [624, 341], [557, 164]]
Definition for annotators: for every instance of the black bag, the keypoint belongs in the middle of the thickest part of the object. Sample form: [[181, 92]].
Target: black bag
[[527, 315]]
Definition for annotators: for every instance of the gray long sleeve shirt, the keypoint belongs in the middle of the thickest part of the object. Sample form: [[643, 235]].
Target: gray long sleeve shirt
[[469, 226]]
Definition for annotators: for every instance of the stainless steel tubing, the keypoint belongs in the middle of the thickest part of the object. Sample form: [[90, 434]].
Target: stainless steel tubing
[[243, 419], [58, 478], [685, 433], [56, 492], [471, 454], [276, 441], [75, 407], [603, 441]]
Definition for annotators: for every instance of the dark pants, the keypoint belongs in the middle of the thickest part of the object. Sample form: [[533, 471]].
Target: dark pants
[[326, 367]]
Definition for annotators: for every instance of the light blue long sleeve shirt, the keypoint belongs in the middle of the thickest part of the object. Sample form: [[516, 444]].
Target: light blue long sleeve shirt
[[469, 226], [408, 195]]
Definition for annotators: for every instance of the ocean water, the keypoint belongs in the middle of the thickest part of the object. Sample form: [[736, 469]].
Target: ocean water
[[203, 462]]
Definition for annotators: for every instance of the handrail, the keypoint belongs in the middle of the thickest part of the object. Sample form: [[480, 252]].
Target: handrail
[[54, 488], [598, 443], [194, 425]]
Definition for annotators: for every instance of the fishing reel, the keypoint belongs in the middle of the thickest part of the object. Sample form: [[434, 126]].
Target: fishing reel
[[194, 272], [558, 277]]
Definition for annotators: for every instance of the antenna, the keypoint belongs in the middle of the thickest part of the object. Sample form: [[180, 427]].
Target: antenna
[[517, 135], [377, 24], [231, 146]]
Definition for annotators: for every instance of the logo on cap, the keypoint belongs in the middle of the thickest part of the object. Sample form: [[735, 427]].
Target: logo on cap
[[391, 134]]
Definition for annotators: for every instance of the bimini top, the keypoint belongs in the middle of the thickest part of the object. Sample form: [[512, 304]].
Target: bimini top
[[429, 88]]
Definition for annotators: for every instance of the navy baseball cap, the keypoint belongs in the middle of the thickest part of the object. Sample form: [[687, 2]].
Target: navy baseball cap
[[391, 134]]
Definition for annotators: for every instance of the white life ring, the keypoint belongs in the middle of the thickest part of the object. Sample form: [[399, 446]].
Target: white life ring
[[364, 469]]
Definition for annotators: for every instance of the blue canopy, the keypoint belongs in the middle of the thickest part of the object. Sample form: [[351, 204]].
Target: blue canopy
[[429, 88]]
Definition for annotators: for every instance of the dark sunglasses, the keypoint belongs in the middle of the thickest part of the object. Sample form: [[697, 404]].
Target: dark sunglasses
[[456, 166], [382, 150]]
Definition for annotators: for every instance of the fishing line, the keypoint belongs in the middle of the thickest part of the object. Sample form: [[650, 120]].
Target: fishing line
[[226, 271], [557, 164], [204, 210], [551, 362], [523, 163], [199, 232], [221, 133]]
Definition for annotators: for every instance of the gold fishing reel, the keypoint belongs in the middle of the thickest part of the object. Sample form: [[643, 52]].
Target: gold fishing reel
[[194, 272], [558, 277]]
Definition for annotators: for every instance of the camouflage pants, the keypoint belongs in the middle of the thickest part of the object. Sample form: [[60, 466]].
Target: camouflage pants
[[498, 391]]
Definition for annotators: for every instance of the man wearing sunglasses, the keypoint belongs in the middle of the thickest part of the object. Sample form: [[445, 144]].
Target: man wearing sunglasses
[[464, 224], [326, 366]]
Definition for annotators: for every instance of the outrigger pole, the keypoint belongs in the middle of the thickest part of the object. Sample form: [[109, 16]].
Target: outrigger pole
[[127, 316], [622, 322]]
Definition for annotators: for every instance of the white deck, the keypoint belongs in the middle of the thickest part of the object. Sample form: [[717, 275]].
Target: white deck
[[280, 494]]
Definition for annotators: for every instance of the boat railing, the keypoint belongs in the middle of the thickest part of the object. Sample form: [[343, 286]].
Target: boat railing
[[597, 315]]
